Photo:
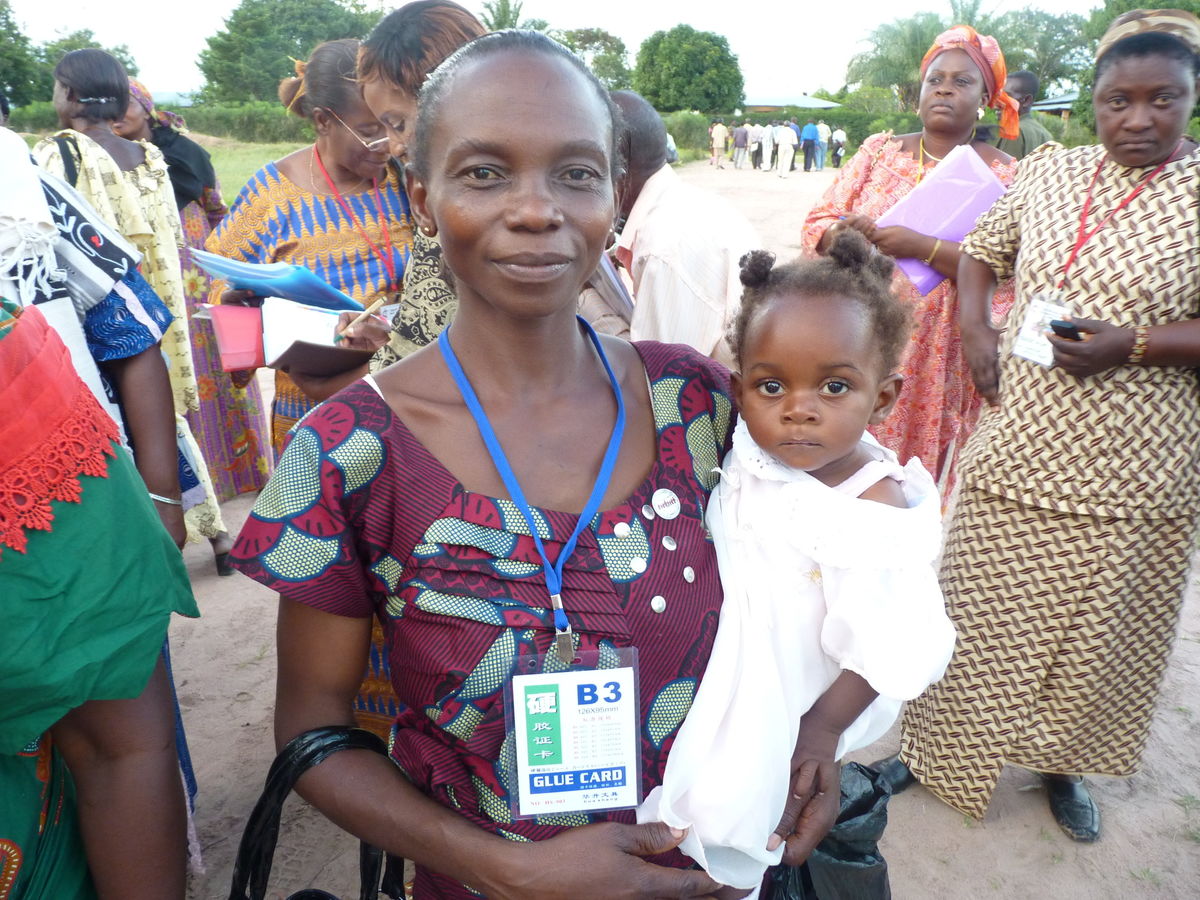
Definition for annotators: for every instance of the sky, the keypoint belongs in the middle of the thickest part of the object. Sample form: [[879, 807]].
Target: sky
[[781, 54]]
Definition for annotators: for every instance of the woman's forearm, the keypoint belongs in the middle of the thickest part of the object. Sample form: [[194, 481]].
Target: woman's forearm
[[145, 390], [1175, 344], [976, 284]]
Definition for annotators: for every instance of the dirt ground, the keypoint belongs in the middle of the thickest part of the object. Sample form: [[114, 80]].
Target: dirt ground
[[225, 672]]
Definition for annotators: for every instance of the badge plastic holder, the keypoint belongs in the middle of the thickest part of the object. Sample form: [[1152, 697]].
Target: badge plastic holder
[[580, 750]]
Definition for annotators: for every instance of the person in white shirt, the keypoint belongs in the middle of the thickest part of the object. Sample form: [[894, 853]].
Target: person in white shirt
[[679, 244], [768, 145], [823, 135], [826, 545], [786, 138], [756, 131], [837, 146]]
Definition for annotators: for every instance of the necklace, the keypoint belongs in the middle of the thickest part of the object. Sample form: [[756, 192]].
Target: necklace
[[385, 255], [925, 153], [312, 178]]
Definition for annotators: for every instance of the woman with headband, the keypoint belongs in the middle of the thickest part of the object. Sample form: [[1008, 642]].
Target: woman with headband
[[962, 74], [1065, 565]]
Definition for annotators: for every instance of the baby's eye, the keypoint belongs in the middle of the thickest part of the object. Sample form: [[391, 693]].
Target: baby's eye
[[770, 388], [835, 388]]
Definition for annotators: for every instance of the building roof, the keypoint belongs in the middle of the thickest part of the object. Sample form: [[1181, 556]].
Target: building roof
[[1063, 101], [801, 101]]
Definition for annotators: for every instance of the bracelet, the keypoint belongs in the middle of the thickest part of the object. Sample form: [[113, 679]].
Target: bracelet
[[937, 244], [159, 498], [1141, 340]]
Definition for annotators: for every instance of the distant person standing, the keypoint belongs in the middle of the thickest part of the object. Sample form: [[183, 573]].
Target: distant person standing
[[768, 145], [719, 136], [785, 137], [741, 143], [680, 245], [837, 146], [808, 140], [756, 132], [824, 133], [1023, 87]]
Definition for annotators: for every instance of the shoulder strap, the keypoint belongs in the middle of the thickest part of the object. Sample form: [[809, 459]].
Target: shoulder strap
[[67, 149]]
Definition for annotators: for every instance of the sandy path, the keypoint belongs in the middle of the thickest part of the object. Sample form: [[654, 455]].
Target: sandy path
[[225, 670]]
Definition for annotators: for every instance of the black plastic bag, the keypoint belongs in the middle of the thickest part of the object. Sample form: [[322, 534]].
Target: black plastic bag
[[846, 865]]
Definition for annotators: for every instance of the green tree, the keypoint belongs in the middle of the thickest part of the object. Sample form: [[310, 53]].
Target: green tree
[[1051, 47], [604, 54], [19, 67], [688, 69], [500, 14], [255, 51], [894, 58], [49, 53]]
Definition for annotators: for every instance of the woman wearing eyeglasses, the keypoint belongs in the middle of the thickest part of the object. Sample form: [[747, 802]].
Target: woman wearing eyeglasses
[[335, 207]]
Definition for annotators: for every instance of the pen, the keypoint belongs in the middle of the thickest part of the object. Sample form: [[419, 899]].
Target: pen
[[361, 317]]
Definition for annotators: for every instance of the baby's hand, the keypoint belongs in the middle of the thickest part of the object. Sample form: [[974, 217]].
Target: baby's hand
[[811, 810]]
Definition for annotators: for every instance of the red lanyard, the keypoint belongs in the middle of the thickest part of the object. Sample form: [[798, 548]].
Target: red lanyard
[[1084, 235], [389, 263]]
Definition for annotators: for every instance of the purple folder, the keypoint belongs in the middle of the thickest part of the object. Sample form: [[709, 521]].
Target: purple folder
[[944, 205]]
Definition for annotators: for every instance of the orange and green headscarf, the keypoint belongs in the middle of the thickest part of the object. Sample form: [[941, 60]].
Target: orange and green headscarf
[[138, 94], [985, 52]]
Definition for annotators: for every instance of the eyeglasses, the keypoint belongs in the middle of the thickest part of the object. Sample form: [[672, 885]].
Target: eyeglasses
[[370, 146]]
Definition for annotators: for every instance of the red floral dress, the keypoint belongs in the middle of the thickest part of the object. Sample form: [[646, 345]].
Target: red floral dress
[[938, 406]]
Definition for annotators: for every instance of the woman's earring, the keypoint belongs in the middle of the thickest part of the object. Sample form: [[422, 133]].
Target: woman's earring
[[612, 239], [429, 230]]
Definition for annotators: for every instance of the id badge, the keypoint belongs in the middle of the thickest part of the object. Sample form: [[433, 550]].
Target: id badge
[[1031, 342], [574, 729]]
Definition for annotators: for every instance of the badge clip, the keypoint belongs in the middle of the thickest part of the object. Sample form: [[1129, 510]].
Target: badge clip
[[563, 645]]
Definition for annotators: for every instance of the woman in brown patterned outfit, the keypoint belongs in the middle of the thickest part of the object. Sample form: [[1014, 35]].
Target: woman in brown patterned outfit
[[1065, 563]]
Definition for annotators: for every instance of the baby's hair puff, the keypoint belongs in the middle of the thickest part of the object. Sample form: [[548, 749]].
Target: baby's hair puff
[[852, 268]]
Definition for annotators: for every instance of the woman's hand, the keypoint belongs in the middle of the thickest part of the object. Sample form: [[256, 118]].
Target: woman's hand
[[172, 518], [321, 387], [1103, 347], [981, 348], [900, 242], [864, 225], [598, 861], [369, 334]]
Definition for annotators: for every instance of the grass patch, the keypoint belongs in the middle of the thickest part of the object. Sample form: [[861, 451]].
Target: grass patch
[[1149, 876], [1193, 835], [1189, 803], [235, 161]]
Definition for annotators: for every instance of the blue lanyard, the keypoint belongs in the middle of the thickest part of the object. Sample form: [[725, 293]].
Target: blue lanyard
[[553, 571]]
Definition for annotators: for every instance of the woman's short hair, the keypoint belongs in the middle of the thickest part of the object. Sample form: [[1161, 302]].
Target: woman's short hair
[[521, 42], [98, 82], [410, 42], [327, 81]]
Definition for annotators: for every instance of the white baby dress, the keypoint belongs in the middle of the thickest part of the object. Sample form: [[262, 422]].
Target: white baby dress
[[816, 581]]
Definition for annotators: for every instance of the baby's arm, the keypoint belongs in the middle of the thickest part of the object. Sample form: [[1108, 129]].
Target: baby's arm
[[888, 491], [813, 804]]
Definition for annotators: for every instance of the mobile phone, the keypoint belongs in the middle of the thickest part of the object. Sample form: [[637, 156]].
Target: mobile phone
[[1066, 330]]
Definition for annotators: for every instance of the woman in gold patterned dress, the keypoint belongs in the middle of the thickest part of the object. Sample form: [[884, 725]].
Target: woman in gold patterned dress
[[1065, 562], [128, 185], [335, 207]]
